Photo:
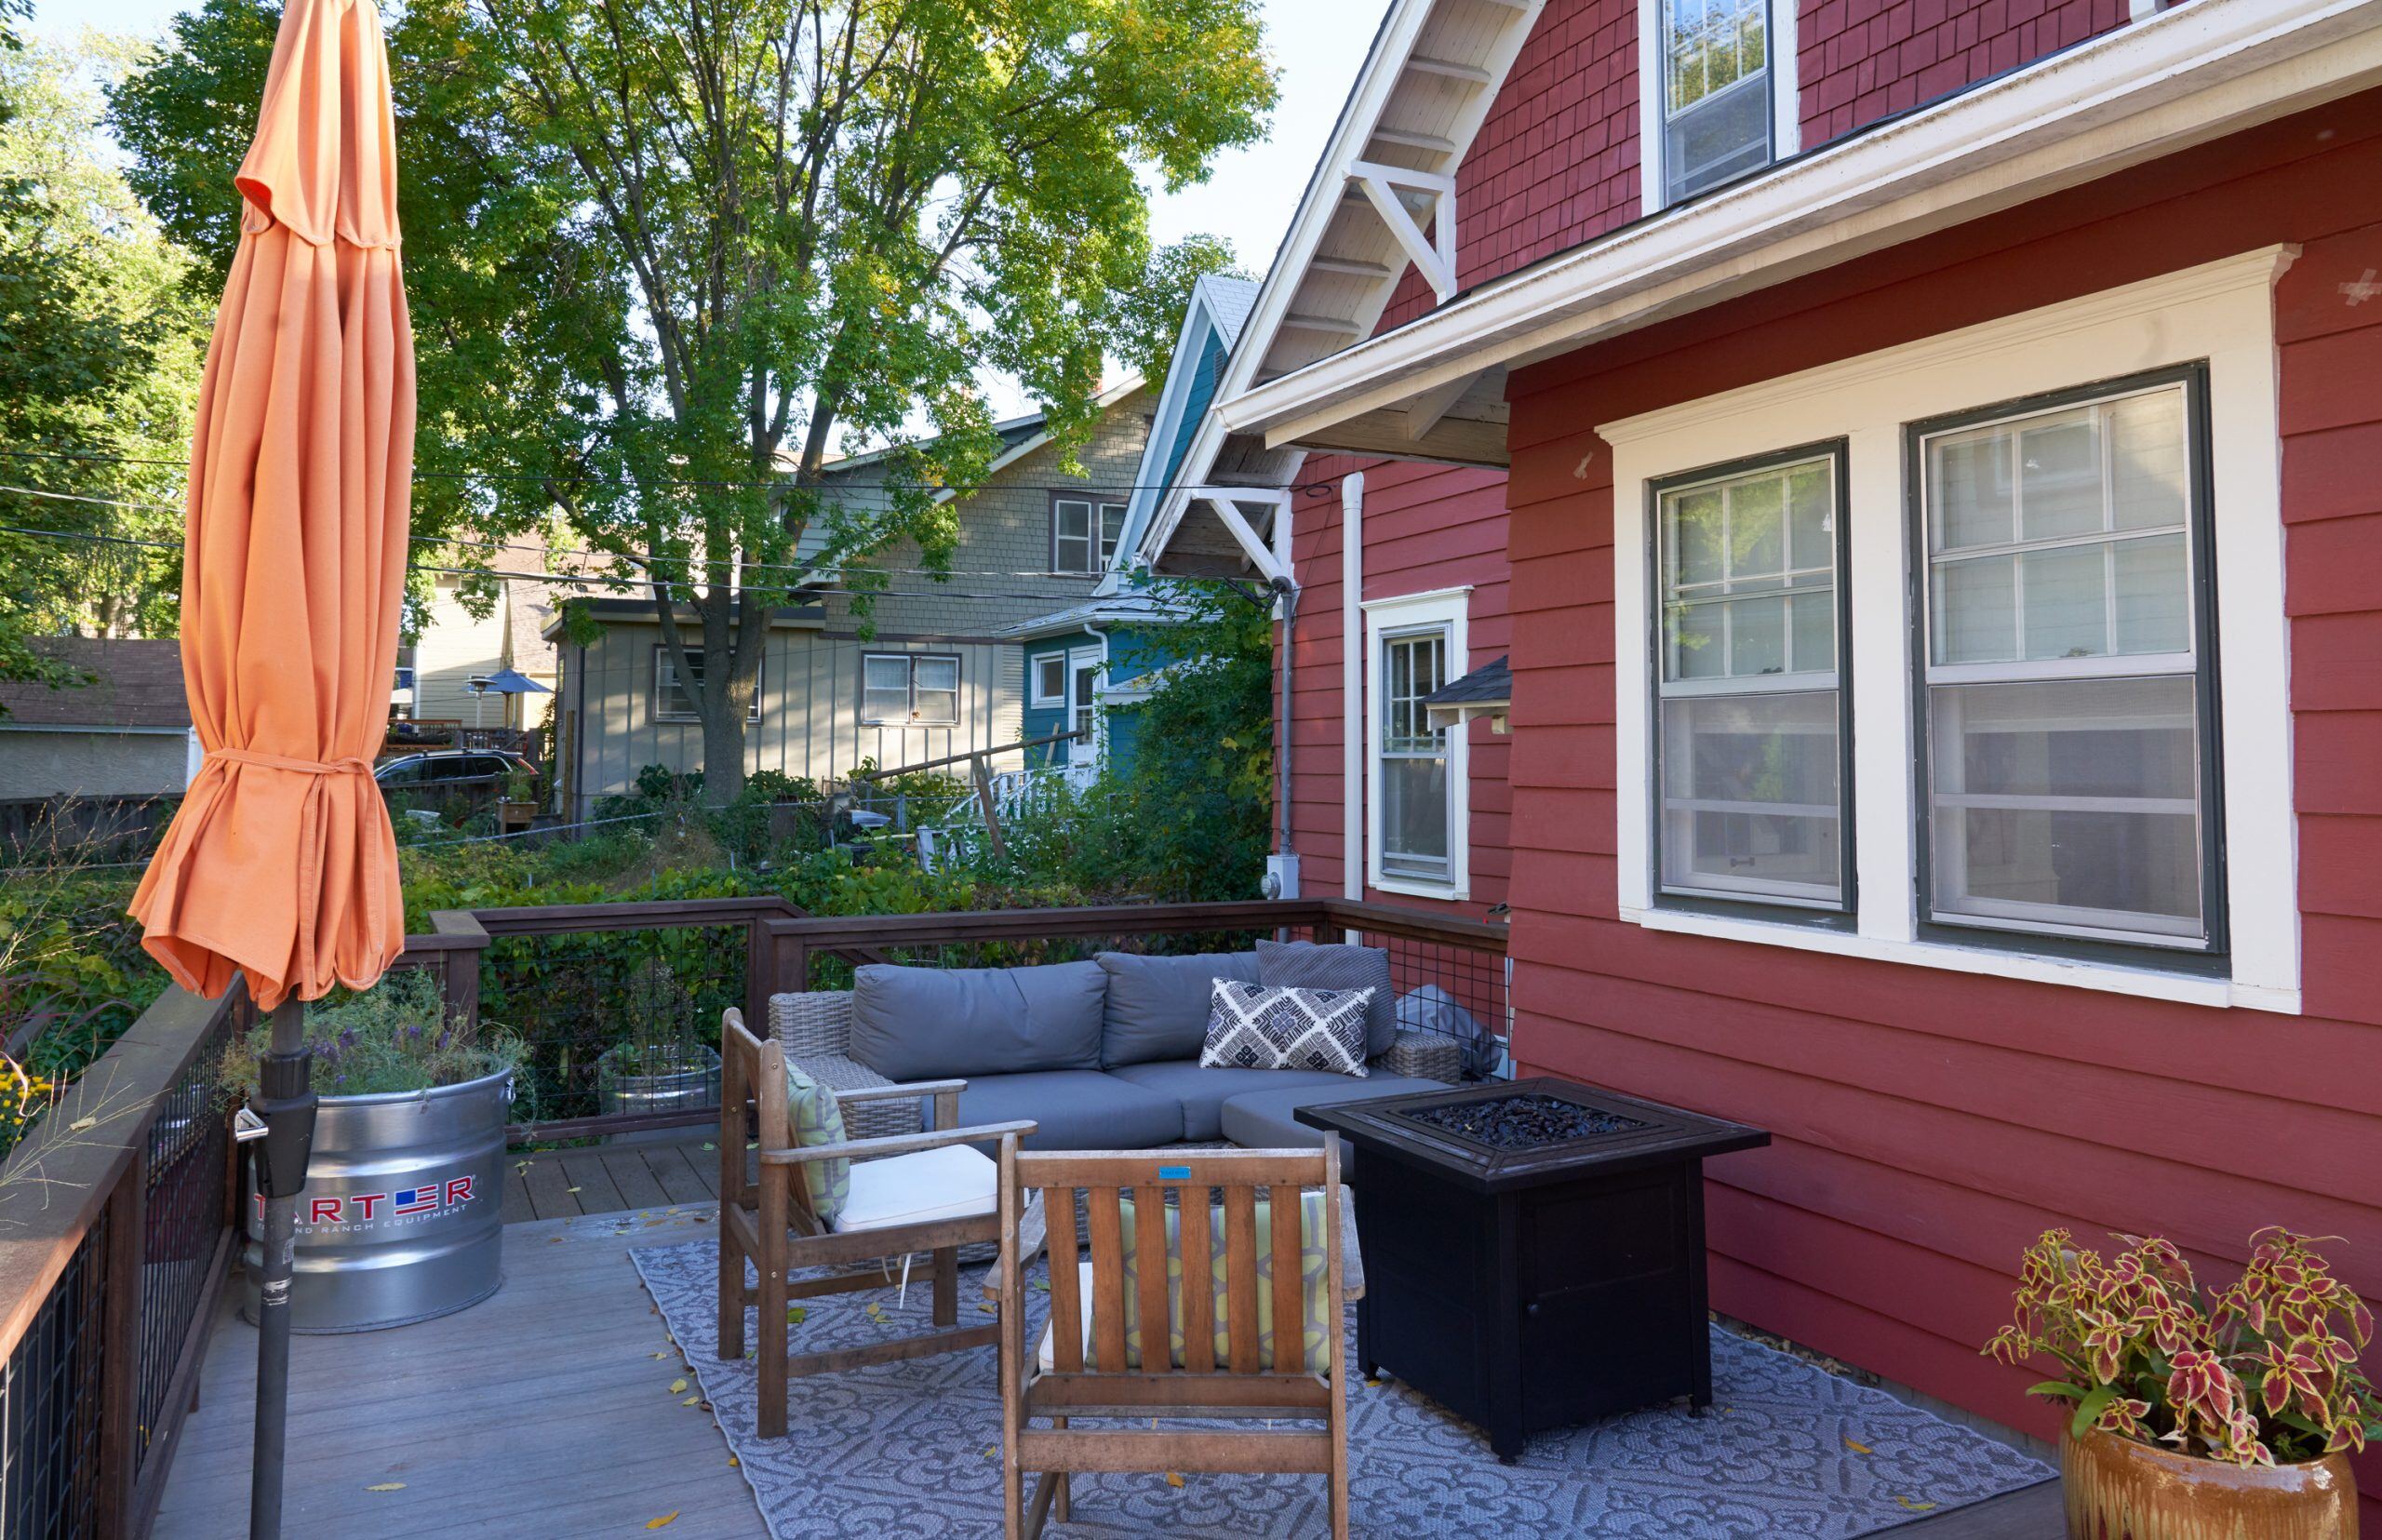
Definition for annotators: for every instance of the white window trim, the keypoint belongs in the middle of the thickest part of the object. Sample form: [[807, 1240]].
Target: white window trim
[[1448, 607], [2222, 311], [1786, 121], [1037, 696]]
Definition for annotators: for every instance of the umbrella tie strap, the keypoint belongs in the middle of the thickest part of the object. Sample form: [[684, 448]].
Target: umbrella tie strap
[[309, 842], [349, 764]]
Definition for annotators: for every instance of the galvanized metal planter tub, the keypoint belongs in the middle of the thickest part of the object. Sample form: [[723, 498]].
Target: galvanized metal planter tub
[[673, 1079], [402, 1219]]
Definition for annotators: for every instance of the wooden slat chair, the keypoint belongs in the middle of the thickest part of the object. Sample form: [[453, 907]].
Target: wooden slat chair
[[771, 1221], [1085, 1366]]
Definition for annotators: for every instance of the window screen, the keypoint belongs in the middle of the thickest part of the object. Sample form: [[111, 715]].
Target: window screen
[[1748, 754], [2067, 730]]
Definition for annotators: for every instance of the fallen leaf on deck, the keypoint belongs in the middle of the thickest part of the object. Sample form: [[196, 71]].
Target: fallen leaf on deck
[[731, 1459], [79, 1124], [1857, 1447], [988, 1309], [676, 1386], [692, 1401], [796, 1315], [990, 1451], [663, 1522], [661, 1355], [711, 1146], [1173, 1478], [388, 1486], [1914, 1506], [570, 1189]]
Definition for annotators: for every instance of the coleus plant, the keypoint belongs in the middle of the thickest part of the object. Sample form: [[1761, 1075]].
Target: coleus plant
[[2262, 1371]]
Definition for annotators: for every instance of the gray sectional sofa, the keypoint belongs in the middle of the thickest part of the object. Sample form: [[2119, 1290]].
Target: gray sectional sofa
[[1102, 1055]]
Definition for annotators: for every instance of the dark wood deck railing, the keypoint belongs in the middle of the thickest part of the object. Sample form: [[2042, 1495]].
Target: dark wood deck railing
[[117, 1214]]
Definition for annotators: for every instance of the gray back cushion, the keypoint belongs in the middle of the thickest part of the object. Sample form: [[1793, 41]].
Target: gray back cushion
[[1158, 1007], [1304, 965], [928, 1023]]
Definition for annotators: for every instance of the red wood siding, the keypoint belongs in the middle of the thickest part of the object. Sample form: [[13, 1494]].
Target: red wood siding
[[1858, 60], [1555, 163], [1928, 1124], [1426, 527]]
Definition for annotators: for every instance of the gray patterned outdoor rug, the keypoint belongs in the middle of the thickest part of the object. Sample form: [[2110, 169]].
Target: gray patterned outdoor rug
[[913, 1449]]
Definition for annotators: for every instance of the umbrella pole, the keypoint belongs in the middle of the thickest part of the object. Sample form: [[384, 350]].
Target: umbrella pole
[[287, 1104]]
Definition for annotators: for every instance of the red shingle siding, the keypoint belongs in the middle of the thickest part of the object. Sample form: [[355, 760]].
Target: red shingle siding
[[1928, 1124], [1858, 60], [1427, 526], [1556, 163]]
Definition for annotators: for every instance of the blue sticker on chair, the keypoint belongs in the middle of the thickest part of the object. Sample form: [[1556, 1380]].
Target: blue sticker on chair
[[1175, 1173]]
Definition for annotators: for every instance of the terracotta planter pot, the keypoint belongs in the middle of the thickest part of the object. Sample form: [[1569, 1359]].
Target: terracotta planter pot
[[2118, 1489]]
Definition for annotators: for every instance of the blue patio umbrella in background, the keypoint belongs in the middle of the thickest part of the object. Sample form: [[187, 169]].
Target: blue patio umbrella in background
[[504, 681]]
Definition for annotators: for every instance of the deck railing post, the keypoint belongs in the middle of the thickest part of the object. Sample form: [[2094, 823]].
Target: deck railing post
[[120, 1345]]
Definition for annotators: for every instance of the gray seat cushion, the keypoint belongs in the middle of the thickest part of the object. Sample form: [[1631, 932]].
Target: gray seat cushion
[[1305, 965], [1158, 1007], [1077, 1109], [932, 1023], [1203, 1093], [1263, 1119]]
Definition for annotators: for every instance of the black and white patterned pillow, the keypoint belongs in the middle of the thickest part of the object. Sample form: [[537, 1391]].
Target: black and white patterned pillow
[[1253, 1027]]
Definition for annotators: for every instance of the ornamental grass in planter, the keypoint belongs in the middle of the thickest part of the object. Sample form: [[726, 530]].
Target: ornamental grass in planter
[[2198, 1413]]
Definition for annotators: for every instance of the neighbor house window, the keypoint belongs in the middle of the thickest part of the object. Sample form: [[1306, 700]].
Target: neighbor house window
[[1418, 780], [1084, 534], [1050, 679], [1715, 57], [674, 699], [1750, 737], [909, 690], [2069, 754]]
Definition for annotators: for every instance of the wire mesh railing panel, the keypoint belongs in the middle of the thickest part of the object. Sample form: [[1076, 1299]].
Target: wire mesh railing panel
[[188, 1154], [50, 1397], [622, 1021], [1454, 991]]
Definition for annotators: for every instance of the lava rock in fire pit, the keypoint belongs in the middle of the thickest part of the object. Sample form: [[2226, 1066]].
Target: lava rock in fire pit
[[1522, 1121]]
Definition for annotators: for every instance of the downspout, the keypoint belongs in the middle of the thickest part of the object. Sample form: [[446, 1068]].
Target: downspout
[[1101, 637], [1351, 686], [1287, 586]]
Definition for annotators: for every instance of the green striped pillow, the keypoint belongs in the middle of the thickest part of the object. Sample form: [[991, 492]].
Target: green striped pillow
[[817, 1119], [1321, 1336]]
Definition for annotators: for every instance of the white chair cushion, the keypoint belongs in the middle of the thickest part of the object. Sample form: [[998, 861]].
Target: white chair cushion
[[954, 1182], [1047, 1358]]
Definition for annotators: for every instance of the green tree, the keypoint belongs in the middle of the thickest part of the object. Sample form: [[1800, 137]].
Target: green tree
[[665, 260], [101, 348]]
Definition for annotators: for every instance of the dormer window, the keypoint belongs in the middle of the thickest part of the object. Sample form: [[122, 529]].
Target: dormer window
[[1716, 105]]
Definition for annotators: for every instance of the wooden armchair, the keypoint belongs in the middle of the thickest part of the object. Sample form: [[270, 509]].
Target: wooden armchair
[[1097, 1358], [911, 1192]]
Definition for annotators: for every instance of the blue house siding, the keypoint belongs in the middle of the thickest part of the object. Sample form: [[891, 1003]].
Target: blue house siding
[[1042, 721]]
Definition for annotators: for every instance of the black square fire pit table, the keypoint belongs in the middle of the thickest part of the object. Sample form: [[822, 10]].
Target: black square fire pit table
[[1533, 1249]]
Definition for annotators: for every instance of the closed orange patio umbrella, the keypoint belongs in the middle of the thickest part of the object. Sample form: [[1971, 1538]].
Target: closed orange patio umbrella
[[280, 865]]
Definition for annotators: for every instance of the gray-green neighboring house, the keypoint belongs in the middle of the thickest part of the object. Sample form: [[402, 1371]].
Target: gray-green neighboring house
[[942, 674]]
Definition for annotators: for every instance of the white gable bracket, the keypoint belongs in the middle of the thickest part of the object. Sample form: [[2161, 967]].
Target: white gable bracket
[[1224, 502], [1433, 256]]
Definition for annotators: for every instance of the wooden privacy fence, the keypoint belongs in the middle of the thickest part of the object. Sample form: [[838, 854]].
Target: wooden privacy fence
[[117, 1225]]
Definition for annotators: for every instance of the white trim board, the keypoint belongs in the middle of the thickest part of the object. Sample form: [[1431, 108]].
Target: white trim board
[[2223, 313], [2147, 89], [1452, 608]]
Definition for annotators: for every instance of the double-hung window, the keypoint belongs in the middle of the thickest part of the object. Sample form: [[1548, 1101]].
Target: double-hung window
[[909, 690], [1418, 830], [1752, 723], [2069, 769], [1714, 58], [1084, 534]]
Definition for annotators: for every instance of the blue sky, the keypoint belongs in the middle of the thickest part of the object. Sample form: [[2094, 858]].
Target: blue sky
[[1318, 46]]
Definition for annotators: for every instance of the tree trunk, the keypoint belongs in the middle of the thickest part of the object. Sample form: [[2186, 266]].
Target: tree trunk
[[723, 756]]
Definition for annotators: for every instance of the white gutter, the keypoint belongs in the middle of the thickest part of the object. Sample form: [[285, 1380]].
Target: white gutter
[[2185, 76], [1351, 686]]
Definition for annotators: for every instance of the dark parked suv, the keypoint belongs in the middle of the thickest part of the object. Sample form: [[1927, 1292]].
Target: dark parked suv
[[434, 780]]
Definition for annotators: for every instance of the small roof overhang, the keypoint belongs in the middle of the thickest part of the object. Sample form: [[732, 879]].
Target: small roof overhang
[[2150, 88], [1486, 691], [635, 611], [1123, 610]]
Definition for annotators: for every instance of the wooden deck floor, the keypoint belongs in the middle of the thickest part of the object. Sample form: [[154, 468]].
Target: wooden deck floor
[[547, 1411], [608, 1179]]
